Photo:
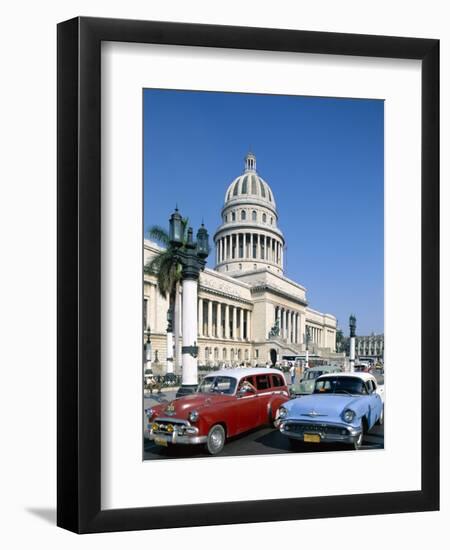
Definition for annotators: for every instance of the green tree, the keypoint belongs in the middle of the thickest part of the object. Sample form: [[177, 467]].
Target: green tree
[[167, 268]]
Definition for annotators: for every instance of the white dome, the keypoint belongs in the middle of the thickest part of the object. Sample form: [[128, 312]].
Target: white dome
[[250, 185]]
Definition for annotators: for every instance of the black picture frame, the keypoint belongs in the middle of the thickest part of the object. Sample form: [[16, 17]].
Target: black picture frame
[[79, 280]]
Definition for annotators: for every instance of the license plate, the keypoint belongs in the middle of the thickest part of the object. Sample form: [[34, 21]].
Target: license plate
[[311, 438], [160, 441]]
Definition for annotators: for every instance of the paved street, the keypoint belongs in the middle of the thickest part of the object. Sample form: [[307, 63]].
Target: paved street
[[265, 440]]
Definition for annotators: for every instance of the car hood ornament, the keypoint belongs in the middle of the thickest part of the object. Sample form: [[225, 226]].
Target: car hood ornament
[[313, 413], [170, 409]]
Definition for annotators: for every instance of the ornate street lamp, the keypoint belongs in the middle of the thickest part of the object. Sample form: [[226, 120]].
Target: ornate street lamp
[[307, 339], [176, 228], [169, 341], [202, 243], [192, 257], [147, 350], [352, 324]]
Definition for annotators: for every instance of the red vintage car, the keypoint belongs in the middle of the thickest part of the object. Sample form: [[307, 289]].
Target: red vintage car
[[227, 403]]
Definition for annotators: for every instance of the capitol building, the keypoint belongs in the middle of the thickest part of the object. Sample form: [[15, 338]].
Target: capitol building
[[249, 312]]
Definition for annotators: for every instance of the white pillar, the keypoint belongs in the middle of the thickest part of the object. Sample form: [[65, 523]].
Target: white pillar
[[241, 324], [227, 321], [284, 324], [251, 246], [189, 362], [169, 354], [352, 354], [152, 318], [210, 318], [219, 320], [234, 323], [200, 317]]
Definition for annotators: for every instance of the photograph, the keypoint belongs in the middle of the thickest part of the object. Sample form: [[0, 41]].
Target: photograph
[[263, 274]]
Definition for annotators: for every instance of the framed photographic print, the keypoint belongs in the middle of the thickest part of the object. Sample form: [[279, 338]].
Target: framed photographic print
[[248, 258]]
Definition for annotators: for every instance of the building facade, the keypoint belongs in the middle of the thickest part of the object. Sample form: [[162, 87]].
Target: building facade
[[371, 347], [249, 312]]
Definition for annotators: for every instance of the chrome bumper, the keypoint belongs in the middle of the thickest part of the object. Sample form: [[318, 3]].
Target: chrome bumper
[[328, 432], [183, 433]]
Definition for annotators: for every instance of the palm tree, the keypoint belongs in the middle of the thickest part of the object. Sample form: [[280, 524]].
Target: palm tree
[[167, 268]]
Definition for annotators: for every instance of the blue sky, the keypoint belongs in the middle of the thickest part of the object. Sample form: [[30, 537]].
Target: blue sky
[[322, 157]]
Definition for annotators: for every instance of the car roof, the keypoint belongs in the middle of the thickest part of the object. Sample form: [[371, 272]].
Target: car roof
[[322, 367], [362, 375], [242, 372]]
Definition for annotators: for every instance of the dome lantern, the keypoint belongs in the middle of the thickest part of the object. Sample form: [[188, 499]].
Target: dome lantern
[[250, 162]]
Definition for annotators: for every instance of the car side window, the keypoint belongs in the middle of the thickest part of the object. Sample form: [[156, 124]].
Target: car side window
[[262, 382], [250, 380], [276, 381], [369, 386]]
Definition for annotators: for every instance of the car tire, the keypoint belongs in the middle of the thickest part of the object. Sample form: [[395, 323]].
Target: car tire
[[380, 421], [215, 440]]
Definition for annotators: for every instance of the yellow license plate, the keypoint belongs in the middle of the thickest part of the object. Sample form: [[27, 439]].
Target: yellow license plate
[[311, 438], [160, 441]]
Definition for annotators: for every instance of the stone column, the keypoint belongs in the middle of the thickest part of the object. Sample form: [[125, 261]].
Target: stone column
[[200, 316], [251, 246], [227, 321], [242, 324], [219, 320], [210, 318], [284, 324], [249, 325], [147, 313], [234, 323], [152, 318]]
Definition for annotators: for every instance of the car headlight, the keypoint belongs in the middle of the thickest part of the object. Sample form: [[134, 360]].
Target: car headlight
[[348, 415], [149, 412], [282, 412], [193, 416]]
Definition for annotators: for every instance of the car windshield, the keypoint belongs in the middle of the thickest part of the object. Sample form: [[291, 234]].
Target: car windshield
[[218, 384], [340, 384], [313, 374]]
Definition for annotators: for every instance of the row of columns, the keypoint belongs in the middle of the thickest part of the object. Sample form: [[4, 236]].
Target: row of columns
[[221, 354], [369, 348], [289, 323], [253, 246], [315, 335], [220, 320]]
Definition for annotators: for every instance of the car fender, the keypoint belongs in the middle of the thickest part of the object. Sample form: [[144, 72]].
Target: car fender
[[275, 403]]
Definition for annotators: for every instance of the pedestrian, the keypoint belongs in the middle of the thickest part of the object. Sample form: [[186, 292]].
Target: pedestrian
[[292, 373]]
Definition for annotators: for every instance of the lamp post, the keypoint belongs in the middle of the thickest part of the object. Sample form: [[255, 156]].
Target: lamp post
[[169, 341], [352, 324], [147, 351], [192, 257], [307, 338]]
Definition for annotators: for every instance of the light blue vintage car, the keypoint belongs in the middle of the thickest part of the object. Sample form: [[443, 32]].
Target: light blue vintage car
[[343, 407]]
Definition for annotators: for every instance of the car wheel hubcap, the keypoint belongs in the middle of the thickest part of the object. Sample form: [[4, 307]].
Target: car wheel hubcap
[[216, 439]]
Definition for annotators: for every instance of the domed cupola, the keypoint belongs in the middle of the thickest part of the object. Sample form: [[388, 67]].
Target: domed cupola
[[249, 238], [250, 184]]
